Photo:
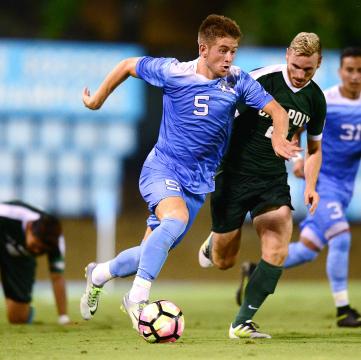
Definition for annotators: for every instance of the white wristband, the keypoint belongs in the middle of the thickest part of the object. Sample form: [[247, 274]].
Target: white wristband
[[63, 319]]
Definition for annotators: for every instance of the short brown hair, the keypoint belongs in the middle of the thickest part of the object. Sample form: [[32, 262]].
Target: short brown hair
[[47, 229], [218, 26], [306, 44]]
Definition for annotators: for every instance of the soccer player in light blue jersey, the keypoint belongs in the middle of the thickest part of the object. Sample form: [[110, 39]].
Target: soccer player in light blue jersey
[[199, 102], [341, 152]]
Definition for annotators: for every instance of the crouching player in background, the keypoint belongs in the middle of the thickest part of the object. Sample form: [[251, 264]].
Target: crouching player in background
[[25, 233]]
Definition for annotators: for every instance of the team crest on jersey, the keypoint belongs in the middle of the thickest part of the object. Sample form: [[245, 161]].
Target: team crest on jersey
[[226, 86]]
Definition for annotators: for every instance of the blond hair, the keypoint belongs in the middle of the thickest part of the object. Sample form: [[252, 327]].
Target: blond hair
[[306, 44]]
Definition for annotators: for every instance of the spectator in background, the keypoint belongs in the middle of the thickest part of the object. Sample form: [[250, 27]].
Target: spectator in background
[[25, 233]]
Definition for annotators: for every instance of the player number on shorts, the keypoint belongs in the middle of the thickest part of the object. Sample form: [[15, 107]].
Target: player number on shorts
[[336, 210], [201, 105], [352, 132], [172, 185]]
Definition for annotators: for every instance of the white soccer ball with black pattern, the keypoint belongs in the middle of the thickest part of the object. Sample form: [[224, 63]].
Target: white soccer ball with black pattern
[[161, 321]]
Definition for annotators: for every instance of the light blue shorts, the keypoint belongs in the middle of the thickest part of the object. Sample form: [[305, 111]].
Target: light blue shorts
[[328, 220], [158, 184]]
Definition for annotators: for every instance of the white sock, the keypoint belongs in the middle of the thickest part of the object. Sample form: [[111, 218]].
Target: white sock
[[341, 298], [140, 290], [101, 274]]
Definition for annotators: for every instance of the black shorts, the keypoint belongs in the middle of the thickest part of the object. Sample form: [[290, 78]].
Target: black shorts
[[17, 276], [237, 194]]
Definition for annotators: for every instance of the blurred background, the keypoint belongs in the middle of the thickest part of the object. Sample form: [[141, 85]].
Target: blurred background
[[84, 165]]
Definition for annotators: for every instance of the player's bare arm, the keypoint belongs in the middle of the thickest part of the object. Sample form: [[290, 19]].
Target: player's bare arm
[[311, 169], [281, 146], [58, 283], [298, 162], [119, 74]]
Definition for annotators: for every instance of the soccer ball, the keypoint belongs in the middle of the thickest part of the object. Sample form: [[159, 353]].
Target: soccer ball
[[161, 321]]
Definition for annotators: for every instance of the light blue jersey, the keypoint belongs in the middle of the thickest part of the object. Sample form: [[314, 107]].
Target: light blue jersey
[[197, 117], [341, 146], [341, 153]]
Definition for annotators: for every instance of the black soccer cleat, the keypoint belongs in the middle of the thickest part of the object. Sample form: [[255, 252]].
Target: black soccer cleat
[[350, 318], [247, 269]]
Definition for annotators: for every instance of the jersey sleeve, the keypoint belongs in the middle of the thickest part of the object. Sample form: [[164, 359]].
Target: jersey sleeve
[[317, 121], [251, 92], [56, 261], [154, 71]]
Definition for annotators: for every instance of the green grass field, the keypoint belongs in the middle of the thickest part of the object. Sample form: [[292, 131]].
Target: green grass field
[[300, 317]]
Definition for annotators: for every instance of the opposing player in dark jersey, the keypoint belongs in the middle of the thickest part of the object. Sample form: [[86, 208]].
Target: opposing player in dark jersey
[[329, 226], [253, 179], [199, 101], [25, 233]]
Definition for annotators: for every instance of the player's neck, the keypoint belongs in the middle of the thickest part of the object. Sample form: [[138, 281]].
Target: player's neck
[[204, 70], [352, 95]]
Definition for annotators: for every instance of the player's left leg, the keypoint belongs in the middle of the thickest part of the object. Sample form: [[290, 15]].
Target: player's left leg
[[337, 272], [274, 228]]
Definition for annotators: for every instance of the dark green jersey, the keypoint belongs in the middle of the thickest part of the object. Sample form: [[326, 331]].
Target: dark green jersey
[[14, 215], [250, 149]]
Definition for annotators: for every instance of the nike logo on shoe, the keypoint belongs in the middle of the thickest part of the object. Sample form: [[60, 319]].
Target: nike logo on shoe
[[252, 307]]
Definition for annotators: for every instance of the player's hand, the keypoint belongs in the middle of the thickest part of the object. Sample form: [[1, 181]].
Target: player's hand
[[284, 148], [298, 168], [89, 100], [64, 320], [311, 199]]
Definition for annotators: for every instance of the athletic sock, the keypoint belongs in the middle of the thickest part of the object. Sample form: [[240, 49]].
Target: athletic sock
[[101, 274], [125, 263], [140, 290], [261, 283], [154, 250], [341, 298], [299, 253], [337, 264]]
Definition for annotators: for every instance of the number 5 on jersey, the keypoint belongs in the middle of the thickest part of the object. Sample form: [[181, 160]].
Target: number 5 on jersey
[[200, 102]]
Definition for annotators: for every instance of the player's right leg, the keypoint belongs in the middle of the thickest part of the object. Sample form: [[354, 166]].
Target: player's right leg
[[174, 210]]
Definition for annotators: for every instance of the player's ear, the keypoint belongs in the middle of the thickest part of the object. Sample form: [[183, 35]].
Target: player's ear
[[319, 61], [203, 50], [287, 53]]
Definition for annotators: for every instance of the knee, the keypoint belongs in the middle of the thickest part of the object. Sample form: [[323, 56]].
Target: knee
[[18, 313], [341, 242], [14, 318], [275, 256]]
